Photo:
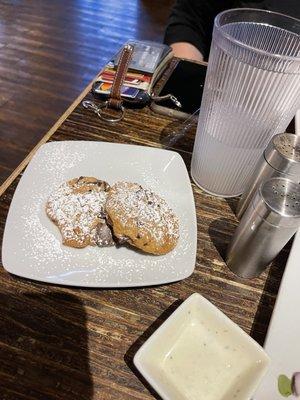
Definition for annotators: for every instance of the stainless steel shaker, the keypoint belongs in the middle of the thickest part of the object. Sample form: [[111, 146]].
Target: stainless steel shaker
[[269, 222], [281, 158]]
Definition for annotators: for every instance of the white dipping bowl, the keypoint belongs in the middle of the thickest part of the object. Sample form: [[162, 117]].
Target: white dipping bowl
[[198, 353]]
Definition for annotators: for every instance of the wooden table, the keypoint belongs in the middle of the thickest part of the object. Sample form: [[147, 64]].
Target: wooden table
[[67, 343]]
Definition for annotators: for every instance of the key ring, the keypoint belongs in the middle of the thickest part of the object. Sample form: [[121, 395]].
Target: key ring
[[115, 100], [105, 107], [90, 105]]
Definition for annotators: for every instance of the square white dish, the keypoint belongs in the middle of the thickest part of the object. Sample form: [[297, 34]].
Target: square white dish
[[198, 353], [32, 243]]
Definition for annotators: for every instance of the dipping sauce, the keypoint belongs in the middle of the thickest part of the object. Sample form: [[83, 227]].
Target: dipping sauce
[[204, 363], [198, 353]]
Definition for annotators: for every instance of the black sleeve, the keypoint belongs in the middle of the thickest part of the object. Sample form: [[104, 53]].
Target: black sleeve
[[192, 21]]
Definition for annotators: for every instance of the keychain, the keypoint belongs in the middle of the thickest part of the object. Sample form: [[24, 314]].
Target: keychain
[[114, 102], [100, 110], [104, 106]]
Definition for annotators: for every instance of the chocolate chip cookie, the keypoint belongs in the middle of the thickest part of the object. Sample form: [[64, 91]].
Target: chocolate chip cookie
[[77, 208], [141, 218]]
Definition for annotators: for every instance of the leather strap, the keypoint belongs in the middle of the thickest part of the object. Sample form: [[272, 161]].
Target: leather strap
[[115, 100]]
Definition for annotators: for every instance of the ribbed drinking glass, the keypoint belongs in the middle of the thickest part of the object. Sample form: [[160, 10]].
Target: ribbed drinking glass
[[252, 91]]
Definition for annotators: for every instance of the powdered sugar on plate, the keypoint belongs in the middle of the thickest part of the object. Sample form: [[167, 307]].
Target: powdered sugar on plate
[[77, 207], [32, 245]]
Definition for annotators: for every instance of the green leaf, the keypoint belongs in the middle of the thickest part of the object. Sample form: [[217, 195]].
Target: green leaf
[[284, 386]]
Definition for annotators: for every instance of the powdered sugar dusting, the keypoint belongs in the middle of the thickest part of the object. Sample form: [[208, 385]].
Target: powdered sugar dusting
[[151, 213], [60, 158], [77, 212], [38, 246], [32, 245]]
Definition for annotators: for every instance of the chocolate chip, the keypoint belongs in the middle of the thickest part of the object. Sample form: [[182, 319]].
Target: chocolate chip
[[145, 244], [150, 202], [138, 236], [104, 235]]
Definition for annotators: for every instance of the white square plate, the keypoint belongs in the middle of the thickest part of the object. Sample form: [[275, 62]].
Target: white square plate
[[32, 243], [199, 353]]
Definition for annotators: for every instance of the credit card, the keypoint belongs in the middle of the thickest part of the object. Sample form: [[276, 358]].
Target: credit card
[[105, 76], [126, 91], [109, 74], [137, 85]]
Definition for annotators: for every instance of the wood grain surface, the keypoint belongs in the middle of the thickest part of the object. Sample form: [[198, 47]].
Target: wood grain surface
[[49, 52], [66, 343]]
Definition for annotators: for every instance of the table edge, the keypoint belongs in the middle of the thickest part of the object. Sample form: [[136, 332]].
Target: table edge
[[5, 185]]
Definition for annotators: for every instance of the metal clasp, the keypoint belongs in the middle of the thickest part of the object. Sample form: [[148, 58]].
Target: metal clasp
[[101, 111]]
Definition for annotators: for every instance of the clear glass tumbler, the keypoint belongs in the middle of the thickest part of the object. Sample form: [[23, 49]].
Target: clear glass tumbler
[[252, 91]]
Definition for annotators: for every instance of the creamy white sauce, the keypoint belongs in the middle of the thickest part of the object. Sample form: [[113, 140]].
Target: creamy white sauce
[[204, 363]]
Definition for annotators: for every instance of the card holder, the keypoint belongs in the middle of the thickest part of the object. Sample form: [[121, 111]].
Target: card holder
[[148, 62]]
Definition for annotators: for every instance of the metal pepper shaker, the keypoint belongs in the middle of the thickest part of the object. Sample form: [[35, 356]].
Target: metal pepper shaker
[[271, 219], [281, 158]]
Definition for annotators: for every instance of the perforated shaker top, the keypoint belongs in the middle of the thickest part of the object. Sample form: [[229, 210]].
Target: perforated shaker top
[[282, 196], [288, 145]]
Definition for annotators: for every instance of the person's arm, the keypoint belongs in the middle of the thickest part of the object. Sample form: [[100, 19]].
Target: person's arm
[[190, 26], [186, 50]]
